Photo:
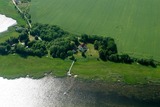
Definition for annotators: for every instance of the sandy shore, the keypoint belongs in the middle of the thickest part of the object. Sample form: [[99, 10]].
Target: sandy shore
[[6, 22]]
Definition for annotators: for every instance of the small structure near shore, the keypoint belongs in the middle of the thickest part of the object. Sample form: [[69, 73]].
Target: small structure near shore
[[69, 71], [82, 47]]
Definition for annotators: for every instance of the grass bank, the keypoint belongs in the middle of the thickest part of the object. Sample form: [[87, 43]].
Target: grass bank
[[13, 66], [92, 69]]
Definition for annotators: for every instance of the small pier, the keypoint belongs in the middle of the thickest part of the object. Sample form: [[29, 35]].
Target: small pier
[[69, 71]]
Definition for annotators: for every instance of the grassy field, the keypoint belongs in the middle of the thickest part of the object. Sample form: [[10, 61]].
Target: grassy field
[[8, 9], [13, 66], [89, 68], [134, 24], [6, 35]]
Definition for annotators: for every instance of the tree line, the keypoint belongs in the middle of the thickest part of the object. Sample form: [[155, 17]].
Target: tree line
[[54, 41], [107, 50]]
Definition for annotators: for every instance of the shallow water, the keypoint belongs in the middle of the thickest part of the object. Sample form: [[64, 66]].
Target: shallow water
[[57, 92], [6, 22]]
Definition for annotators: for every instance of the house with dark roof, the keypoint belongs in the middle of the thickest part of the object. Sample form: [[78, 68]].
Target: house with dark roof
[[82, 47]]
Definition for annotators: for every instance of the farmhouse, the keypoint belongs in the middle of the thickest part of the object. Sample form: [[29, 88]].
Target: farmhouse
[[82, 47]]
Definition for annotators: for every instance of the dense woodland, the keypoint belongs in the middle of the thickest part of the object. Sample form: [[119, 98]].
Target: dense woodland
[[54, 41]]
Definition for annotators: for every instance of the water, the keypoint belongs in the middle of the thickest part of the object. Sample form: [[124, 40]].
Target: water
[[57, 92], [6, 22]]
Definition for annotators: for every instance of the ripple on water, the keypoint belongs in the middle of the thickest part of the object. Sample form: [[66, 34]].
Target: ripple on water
[[49, 92]]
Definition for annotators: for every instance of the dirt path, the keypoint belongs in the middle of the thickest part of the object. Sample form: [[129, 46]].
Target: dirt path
[[22, 13]]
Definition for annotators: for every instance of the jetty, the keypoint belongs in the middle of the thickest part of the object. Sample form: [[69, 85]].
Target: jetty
[[69, 71]]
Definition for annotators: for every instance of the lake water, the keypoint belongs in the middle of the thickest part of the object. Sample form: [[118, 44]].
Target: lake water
[[58, 92], [6, 22]]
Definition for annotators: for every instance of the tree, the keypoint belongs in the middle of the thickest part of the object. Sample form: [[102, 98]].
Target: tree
[[126, 59], [20, 49], [12, 40], [69, 53], [84, 38], [114, 58], [102, 54], [23, 37], [3, 50], [96, 45]]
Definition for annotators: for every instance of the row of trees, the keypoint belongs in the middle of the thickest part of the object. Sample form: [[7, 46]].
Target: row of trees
[[60, 44], [34, 48], [105, 45], [23, 46], [108, 51], [47, 32]]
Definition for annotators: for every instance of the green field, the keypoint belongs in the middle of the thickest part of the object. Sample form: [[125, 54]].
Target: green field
[[7, 8], [89, 68], [134, 24], [12, 66]]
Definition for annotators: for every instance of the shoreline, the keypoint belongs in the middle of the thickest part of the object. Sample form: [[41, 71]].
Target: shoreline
[[6, 23], [84, 68], [140, 92]]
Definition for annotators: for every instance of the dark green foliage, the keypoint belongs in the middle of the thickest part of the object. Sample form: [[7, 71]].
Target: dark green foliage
[[62, 47], [114, 58], [102, 54], [35, 48], [83, 54], [39, 48], [12, 40], [3, 50], [124, 58], [23, 37], [36, 37], [61, 44], [20, 29], [84, 38], [30, 43], [47, 32], [96, 44], [70, 53], [147, 62], [72, 58], [90, 38], [106, 47], [20, 49]]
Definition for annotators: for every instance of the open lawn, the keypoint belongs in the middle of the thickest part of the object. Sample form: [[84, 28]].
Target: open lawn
[[92, 69], [7, 8], [134, 24], [12, 66], [6, 35]]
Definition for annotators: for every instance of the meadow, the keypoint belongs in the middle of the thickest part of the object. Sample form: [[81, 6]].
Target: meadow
[[134, 24], [14, 66]]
